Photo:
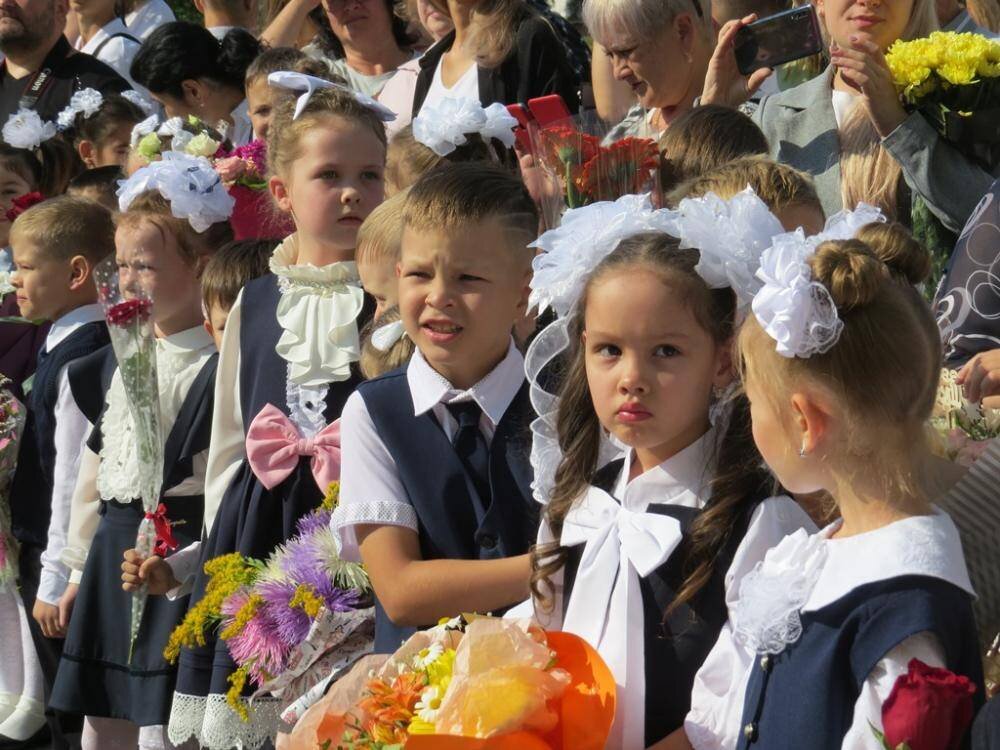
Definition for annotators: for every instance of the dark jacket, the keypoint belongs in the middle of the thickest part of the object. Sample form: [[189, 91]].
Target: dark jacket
[[537, 66]]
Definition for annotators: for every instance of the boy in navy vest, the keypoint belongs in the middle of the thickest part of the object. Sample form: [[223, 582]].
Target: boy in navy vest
[[435, 485], [56, 245]]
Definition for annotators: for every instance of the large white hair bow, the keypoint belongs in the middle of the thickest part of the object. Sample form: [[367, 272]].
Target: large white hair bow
[[792, 308], [189, 183], [289, 79], [26, 129], [444, 125], [86, 101]]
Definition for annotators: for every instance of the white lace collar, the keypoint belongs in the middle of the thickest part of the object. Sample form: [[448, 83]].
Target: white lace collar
[[283, 265], [493, 393], [683, 479], [919, 545]]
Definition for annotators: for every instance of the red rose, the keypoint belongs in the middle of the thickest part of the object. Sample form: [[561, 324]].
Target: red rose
[[928, 709], [125, 312], [22, 203]]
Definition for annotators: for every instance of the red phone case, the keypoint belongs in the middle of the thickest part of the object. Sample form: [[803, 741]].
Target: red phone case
[[548, 109]]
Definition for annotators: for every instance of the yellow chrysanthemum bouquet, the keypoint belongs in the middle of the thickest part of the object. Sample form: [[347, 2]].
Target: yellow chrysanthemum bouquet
[[954, 81]]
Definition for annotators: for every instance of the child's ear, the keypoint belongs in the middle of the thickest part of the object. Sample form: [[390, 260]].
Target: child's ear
[[200, 5], [79, 272], [522, 303], [279, 191], [724, 373], [811, 420], [86, 150]]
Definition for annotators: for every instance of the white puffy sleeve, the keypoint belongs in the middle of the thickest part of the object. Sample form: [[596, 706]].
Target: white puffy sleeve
[[371, 492], [227, 449], [719, 687], [923, 646], [84, 516]]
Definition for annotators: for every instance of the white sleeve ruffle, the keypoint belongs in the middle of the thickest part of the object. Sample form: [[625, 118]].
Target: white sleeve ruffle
[[714, 721]]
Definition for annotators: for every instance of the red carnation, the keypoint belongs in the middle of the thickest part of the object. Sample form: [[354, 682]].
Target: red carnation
[[624, 167], [928, 709], [22, 203], [125, 312]]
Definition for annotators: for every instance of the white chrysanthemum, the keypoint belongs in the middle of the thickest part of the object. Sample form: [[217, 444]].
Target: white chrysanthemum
[[26, 129]]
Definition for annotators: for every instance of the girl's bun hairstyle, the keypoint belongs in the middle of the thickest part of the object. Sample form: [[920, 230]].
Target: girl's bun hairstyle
[[850, 271], [899, 250]]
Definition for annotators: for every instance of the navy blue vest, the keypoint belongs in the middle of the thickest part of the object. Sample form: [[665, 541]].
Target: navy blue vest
[[31, 494], [89, 379], [804, 697], [677, 646], [441, 491]]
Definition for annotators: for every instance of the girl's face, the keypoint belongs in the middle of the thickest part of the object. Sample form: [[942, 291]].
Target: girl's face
[[150, 264], [334, 183], [113, 150], [660, 70], [12, 186], [438, 24], [882, 21], [650, 365], [260, 105]]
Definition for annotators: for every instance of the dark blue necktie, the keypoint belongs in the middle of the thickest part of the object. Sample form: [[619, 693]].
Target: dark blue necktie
[[471, 448]]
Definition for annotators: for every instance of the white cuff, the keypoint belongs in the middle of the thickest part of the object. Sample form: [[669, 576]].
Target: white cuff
[[51, 585], [373, 512], [75, 576]]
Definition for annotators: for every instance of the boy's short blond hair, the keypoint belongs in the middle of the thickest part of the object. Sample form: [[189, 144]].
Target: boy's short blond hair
[[457, 195], [229, 269], [778, 185], [64, 227], [378, 237]]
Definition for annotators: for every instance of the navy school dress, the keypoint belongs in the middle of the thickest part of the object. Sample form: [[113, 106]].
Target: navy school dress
[[253, 520], [96, 677], [822, 673], [675, 646], [444, 495]]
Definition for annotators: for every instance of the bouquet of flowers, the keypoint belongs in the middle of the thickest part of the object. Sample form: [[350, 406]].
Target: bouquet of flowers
[[270, 613], [963, 429], [581, 156], [127, 313], [954, 81], [12, 416], [475, 682], [191, 136], [244, 171]]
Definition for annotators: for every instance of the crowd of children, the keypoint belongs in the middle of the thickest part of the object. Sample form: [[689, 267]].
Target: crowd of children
[[689, 427]]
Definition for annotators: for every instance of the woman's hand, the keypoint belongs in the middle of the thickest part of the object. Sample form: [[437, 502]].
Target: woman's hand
[[724, 84], [980, 379], [863, 67]]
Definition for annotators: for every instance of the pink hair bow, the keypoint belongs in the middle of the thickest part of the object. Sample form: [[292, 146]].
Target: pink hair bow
[[274, 446]]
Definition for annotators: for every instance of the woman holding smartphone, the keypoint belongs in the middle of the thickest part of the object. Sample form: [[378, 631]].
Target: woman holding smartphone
[[847, 127]]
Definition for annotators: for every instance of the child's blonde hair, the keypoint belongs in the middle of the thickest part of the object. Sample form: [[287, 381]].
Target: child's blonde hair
[[378, 236], [66, 226], [375, 362], [407, 159], [778, 185], [285, 134], [706, 138], [195, 247], [883, 371]]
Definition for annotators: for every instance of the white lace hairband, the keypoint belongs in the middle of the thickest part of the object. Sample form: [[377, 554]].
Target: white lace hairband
[[792, 308], [26, 129], [444, 125], [288, 79], [189, 183], [732, 237], [86, 101]]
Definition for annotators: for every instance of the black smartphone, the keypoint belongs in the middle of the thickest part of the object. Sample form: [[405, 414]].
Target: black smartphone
[[777, 39]]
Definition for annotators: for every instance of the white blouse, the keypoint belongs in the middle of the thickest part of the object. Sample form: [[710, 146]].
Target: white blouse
[[622, 542], [371, 491], [113, 474], [117, 52], [805, 573], [147, 17], [318, 313]]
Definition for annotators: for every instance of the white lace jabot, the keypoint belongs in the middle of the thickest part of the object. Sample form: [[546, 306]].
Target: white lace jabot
[[317, 312], [806, 572]]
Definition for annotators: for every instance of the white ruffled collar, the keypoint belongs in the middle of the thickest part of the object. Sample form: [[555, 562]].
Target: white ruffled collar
[[283, 265], [683, 479], [920, 545]]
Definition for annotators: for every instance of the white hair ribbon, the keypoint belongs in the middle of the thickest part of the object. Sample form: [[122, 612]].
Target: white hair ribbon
[[385, 337], [442, 126], [25, 129], [288, 79], [87, 101]]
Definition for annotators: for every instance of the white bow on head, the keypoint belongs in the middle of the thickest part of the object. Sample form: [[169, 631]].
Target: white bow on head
[[444, 125], [26, 129], [289, 79], [87, 101]]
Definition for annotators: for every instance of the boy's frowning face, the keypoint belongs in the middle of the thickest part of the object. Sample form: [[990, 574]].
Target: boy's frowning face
[[460, 292]]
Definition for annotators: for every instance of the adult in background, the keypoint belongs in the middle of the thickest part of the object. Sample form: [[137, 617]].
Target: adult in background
[[847, 127], [41, 70], [190, 72], [221, 16], [499, 51], [661, 49], [103, 34], [953, 15], [364, 41], [143, 17]]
